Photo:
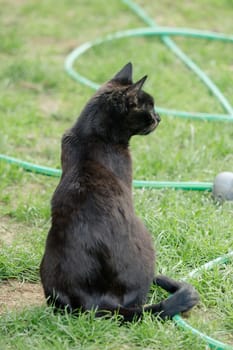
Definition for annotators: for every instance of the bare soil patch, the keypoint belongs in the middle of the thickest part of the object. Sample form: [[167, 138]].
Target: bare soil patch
[[17, 295]]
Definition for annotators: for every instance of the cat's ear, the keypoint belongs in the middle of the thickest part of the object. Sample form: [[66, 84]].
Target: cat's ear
[[138, 85], [125, 74]]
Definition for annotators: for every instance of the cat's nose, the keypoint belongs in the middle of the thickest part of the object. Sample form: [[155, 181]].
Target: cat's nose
[[157, 117]]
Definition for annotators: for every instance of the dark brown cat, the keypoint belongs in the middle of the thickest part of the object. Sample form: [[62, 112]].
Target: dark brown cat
[[98, 253]]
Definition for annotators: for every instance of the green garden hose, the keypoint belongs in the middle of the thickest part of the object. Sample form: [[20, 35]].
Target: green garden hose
[[39, 169], [34, 168], [148, 32], [213, 343], [182, 56]]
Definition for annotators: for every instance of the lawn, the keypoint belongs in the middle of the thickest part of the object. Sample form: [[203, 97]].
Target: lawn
[[39, 101]]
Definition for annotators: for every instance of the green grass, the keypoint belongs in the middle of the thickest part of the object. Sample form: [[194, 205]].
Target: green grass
[[38, 102]]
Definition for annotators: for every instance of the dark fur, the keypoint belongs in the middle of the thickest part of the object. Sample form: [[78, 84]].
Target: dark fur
[[98, 253]]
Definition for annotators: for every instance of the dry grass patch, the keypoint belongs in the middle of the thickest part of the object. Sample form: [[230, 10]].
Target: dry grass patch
[[9, 230]]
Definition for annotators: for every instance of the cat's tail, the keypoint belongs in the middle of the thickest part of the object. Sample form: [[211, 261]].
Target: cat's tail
[[183, 298]]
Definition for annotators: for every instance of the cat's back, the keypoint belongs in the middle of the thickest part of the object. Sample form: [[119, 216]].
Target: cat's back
[[93, 169]]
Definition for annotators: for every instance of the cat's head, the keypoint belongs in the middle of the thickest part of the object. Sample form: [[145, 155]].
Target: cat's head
[[122, 108]]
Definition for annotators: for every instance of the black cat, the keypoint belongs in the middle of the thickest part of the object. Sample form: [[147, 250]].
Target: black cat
[[98, 253]]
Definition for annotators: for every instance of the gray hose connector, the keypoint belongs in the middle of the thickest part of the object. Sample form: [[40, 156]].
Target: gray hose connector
[[223, 186]]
